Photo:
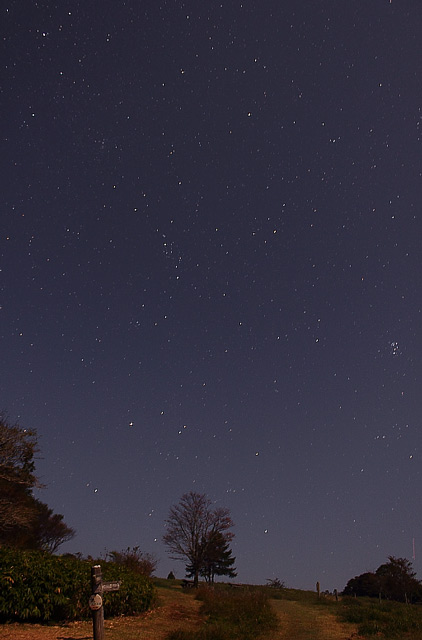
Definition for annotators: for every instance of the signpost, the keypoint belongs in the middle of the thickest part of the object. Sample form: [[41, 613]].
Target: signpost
[[111, 586], [96, 600]]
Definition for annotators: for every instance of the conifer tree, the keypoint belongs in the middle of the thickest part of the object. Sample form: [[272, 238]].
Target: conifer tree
[[190, 525], [218, 559]]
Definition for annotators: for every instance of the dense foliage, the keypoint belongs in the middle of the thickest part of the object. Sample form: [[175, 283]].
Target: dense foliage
[[25, 522], [37, 586], [394, 580], [17, 450], [217, 558]]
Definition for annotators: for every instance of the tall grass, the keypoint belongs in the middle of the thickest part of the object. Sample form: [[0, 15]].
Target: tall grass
[[384, 619], [232, 615]]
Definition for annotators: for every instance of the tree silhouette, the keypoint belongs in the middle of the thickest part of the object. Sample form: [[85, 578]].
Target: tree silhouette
[[136, 560], [25, 522], [217, 558], [398, 580], [49, 531], [367, 584], [17, 449], [190, 525], [394, 580]]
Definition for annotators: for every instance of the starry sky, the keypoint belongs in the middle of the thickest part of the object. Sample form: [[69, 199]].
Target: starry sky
[[210, 272]]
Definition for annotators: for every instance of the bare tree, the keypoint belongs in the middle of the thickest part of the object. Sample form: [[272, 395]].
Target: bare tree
[[190, 524], [136, 560]]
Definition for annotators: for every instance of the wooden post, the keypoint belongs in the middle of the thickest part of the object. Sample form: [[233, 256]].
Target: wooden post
[[318, 589], [96, 602]]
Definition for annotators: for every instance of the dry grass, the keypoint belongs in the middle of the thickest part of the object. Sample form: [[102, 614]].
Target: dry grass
[[175, 610], [300, 621]]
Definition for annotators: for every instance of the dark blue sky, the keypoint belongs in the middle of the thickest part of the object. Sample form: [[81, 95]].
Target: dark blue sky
[[210, 272]]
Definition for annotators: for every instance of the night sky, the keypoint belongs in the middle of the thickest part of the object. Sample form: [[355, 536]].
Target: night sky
[[211, 276]]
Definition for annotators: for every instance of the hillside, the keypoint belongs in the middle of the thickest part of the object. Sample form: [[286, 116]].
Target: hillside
[[177, 609]]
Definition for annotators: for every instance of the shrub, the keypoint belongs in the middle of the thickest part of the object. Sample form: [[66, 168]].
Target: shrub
[[135, 560], [37, 586], [135, 595], [275, 583]]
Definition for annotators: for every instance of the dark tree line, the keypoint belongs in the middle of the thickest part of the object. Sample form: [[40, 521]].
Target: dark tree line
[[25, 521], [200, 535], [394, 580]]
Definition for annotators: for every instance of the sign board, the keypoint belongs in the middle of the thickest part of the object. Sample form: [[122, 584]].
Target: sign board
[[95, 602], [111, 586]]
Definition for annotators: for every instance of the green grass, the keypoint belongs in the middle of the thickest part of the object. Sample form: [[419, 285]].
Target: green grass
[[372, 618], [386, 618], [295, 595], [164, 583], [232, 614], [250, 613]]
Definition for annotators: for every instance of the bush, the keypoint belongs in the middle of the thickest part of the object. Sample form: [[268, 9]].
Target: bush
[[275, 583], [36, 586], [136, 593], [135, 560]]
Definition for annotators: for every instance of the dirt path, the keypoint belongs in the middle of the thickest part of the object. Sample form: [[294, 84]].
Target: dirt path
[[176, 610], [301, 622], [180, 610]]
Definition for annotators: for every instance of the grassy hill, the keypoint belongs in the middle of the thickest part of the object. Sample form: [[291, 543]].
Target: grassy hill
[[293, 615]]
